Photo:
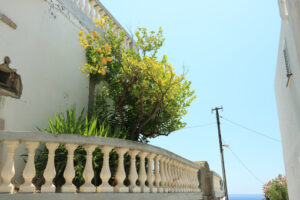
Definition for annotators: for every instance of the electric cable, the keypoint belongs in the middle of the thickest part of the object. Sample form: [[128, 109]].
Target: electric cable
[[198, 126], [242, 163], [251, 130]]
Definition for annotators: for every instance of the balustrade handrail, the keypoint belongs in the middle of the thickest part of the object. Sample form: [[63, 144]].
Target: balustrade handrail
[[95, 140]]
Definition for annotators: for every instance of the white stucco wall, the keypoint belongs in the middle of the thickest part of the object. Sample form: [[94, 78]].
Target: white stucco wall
[[46, 53], [288, 104]]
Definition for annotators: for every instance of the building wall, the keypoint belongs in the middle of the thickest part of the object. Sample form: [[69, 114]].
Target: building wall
[[45, 51], [288, 98]]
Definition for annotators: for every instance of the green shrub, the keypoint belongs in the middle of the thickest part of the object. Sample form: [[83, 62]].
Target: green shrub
[[68, 123]]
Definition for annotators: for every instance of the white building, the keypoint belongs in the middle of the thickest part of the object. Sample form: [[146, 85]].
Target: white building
[[40, 37], [287, 89]]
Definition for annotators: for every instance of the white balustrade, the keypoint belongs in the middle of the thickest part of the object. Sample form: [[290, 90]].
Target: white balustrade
[[88, 173], [120, 174], [133, 176], [8, 170], [69, 172], [164, 172], [50, 172], [105, 172], [29, 170]]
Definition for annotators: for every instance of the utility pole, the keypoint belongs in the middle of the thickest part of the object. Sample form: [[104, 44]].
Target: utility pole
[[221, 148]]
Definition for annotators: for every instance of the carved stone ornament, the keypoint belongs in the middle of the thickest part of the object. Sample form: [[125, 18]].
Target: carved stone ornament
[[10, 81]]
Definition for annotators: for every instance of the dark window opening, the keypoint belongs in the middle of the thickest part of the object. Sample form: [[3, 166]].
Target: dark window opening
[[4, 76]]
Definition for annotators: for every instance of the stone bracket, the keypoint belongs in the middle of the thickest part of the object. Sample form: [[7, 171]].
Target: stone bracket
[[7, 21]]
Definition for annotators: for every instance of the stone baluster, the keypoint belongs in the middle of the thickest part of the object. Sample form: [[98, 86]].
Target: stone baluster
[[120, 174], [142, 172], [178, 176], [167, 171], [69, 172], [194, 172], [133, 176], [197, 180], [105, 172], [184, 181], [170, 175], [99, 11], [50, 172], [8, 170], [86, 7], [190, 179], [183, 177], [81, 4], [157, 174], [163, 174], [92, 13], [180, 185], [29, 170], [193, 183], [96, 9], [102, 13], [174, 181], [88, 173], [126, 42], [187, 179], [173, 175], [150, 175]]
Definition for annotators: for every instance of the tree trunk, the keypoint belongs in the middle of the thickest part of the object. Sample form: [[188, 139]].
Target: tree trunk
[[91, 100]]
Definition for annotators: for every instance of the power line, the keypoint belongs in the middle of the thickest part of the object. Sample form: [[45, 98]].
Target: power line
[[251, 130], [201, 125], [242, 163]]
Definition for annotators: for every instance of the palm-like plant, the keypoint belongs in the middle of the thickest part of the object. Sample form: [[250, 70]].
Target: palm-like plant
[[68, 123]]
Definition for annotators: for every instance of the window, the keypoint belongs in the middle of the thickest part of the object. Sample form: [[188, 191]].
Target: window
[[287, 65]]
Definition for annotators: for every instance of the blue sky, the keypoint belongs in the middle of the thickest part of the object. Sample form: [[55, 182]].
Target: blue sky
[[230, 50]]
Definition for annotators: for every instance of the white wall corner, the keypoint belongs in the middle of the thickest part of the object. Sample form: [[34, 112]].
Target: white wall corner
[[283, 9]]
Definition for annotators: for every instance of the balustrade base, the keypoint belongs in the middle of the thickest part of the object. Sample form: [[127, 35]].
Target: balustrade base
[[6, 188], [144, 189], [27, 187], [88, 188], [105, 188], [48, 188], [121, 188], [134, 189], [102, 196], [68, 188]]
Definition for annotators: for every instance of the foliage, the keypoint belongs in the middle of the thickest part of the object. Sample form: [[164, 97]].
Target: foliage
[[68, 123], [276, 189], [144, 94]]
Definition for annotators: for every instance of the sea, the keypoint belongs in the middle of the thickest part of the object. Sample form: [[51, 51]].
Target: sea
[[246, 197]]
